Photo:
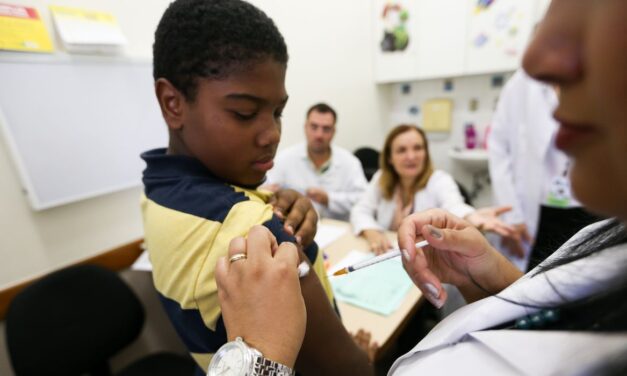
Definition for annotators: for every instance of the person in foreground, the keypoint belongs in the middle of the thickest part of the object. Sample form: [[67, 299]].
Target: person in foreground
[[408, 183], [570, 313], [219, 70]]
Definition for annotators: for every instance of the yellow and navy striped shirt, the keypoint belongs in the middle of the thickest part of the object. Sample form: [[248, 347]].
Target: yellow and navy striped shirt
[[190, 217]]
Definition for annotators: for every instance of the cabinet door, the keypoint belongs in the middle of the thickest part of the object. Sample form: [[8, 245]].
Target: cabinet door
[[395, 26], [441, 37], [498, 34]]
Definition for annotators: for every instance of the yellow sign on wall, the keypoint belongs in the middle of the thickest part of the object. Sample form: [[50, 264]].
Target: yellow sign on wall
[[437, 114], [22, 29]]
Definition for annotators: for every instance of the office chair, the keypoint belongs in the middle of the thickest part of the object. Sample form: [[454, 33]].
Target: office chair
[[369, 159], [465, 194], [72, 321]]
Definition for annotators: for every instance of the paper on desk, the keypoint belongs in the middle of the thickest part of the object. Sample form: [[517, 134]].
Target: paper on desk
[[380, 288], [327, 234]]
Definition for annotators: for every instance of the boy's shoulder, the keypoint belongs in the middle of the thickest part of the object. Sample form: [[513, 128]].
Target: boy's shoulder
[[183, 185]]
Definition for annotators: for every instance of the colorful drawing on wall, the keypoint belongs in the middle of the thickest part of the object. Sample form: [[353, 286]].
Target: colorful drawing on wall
[[481, 39], [483, 5], [496, 25], [395, 35]]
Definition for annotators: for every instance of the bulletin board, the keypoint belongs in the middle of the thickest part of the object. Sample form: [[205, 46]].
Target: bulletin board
[[75, 129]]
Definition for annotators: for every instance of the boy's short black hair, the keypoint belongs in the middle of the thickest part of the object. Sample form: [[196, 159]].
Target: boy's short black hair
[[212, 39], [322, 108]]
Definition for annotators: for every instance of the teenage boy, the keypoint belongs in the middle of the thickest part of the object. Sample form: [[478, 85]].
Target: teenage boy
[[219, 70]]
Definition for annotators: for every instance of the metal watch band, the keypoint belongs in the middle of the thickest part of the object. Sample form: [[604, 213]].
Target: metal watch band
[[267, 367]]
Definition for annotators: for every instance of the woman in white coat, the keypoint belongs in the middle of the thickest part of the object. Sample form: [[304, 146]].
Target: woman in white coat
[[576, 300], [407, 183]]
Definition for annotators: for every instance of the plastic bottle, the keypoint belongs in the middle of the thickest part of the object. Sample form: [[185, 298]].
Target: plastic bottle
[[471, 136]]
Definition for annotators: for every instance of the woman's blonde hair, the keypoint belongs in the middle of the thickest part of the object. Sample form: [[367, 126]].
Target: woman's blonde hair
[[389, 177]]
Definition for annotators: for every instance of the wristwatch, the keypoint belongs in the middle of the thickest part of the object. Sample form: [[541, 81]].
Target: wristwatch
[[236, 358]]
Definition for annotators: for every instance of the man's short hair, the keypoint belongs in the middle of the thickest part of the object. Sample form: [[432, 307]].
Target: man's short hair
[[324, 109], [212, 39]]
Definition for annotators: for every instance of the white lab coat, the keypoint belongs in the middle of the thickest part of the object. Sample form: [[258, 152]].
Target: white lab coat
[[375, 212], [518, 145], [459, 345]]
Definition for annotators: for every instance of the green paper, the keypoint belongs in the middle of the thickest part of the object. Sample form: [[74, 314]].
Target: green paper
[[380, 288]]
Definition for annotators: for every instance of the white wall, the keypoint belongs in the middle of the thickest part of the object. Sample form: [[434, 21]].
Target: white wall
[[330, 47], [330, 60]]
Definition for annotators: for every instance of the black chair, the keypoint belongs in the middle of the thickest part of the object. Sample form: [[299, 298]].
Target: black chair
[[465, 194], [369, 159], [72, 321]]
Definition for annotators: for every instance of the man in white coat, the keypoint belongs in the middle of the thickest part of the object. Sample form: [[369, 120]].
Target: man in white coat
[[330, 176], [529, 173]]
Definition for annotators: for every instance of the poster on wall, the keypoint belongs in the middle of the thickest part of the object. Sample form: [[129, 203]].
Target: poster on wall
[[22, 29], [395, 36], [498, 32], [395, 28]]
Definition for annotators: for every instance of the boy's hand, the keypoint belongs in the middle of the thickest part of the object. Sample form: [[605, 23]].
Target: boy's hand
[[300, 217], [364, 341], [318, 195]]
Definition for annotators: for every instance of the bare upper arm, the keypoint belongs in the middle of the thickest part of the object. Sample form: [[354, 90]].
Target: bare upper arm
[[327, 349]]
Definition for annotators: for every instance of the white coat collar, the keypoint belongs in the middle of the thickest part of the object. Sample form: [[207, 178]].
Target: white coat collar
[[571, 281]]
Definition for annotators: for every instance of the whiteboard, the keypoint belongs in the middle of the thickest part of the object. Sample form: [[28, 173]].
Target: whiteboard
[[75, 129]]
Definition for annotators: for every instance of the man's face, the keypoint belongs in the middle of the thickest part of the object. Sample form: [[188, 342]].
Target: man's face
[[234, 124], [319, 130]]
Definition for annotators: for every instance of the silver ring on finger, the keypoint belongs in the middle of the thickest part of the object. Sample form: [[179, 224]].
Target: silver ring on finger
[[236, 257]]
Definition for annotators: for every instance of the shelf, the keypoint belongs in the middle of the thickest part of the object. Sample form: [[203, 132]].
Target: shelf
[[476, 159]]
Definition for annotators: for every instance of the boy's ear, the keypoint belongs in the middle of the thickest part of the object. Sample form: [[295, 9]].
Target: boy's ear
[[172, 103]]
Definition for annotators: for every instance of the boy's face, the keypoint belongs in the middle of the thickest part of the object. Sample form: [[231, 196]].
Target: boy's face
[[234, 125]]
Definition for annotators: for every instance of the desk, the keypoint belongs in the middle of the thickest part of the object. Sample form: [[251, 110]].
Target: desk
[[384, 329]]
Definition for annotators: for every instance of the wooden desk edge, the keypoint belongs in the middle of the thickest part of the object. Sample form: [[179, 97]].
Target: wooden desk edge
[[115, 259]]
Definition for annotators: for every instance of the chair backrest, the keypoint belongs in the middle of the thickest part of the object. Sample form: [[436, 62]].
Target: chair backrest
[[71, 322], [369, 159], [465, 194]]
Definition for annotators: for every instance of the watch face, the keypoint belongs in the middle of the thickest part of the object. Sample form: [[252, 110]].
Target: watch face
[[232, 359]]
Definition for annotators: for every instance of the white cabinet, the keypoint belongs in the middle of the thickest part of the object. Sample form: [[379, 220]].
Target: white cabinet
[[447, 38], [441, 34]]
